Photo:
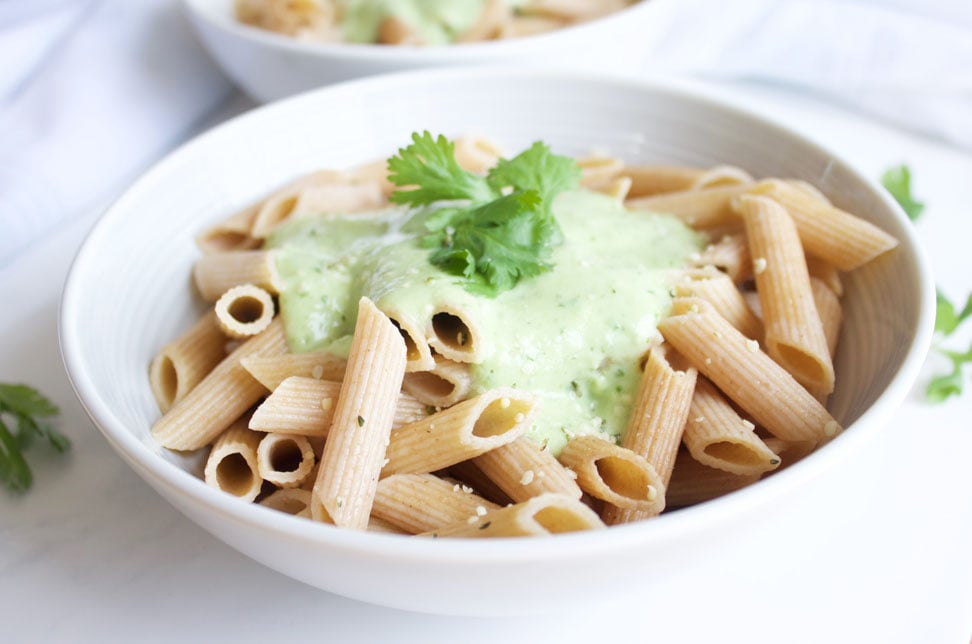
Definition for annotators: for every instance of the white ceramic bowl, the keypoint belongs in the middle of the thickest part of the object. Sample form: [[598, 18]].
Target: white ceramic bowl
[[268, 66], [128, 293]]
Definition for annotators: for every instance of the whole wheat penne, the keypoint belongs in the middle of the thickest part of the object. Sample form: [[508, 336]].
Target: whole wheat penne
[[789, 452], [345, 488], [717, 288], [598, 169], [273, 370], [742, 371], [520, 26], [444, 385], [231, 234], [217, 273], [183, 363], [707, 208], [827, 273], [244, 311], [220, 398], [375, 171], [575, 10], [232, 463], [827, 232], [657, 422], [279, 205], [460, 432], [472, 479], [522, 470], [830, 311], [614, 474], [544, 514], [422, 502], [717, 436], [293, 501], [494, 15], [305, 406], [692, 482], [380, 525], [476, 154], [453, 333], [721, 175], [794, 334], [649, 180], [418, 353], [286, 460]]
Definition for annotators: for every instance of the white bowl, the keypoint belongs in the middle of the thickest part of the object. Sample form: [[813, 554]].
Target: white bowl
[[128, 293], [268, 66]]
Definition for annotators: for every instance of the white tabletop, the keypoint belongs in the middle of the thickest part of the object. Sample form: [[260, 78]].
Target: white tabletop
[[879, 551]]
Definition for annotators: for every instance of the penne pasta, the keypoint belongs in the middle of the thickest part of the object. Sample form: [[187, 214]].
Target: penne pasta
[[721, 175], [423, 502], [231, 234], [244, 311], [794, 334], [232, 463], [730, 254], [348, 476], [271, 371], [748, 377], [614, 474], [692, 482], [718, 289], [650, 180], [454, 335], [707, 208], [285, 460], [444, 385], [544, 514], [522, 470], [183, 363], [217, 273], [293, 501], [472, 479], [219, 398], [459, 433]]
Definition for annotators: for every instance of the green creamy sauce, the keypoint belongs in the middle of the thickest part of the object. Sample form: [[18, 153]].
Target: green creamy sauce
[[438, 22], [572, 335]]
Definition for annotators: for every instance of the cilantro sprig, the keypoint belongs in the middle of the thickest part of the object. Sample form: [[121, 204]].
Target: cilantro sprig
[[21, 408], [897, 181], [491, 230]]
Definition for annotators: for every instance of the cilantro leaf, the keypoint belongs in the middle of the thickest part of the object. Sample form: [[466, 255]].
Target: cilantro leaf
[[950, 384], [24, 405], [505, 231], [946, 319], [430, 165], [897, 181]]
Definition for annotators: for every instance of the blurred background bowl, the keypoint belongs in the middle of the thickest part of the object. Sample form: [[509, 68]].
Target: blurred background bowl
[[268, 66], [129, 293]]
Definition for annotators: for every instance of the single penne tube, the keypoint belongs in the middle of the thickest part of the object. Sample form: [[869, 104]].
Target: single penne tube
[[305, 406], [273, 370], [183, 363], [453, 334], [460, 432], [215, 274], [395, 31], [471, 479], [293, 501], [810, 189], [338, 198], [355, 449], [232, 463], [231, 234], [541, 515], [375, 171], [692, 482], [721, 175], [244, 311], [717, 436], [477, 154], [708, 208], [730, 254], [444, 385], [418, 353], [789, 452], [285, 460], [744, 373], [523, 470], [827, 232], [650, 180], [830, 311], [794, 335], [827, 273], [220, 398], [280, 204], [380, 525], [421, 502], [718, 289], [614, 474], [494, 15]]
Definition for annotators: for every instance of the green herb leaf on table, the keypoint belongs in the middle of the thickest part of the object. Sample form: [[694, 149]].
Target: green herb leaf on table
[[21, 407], [505, 231], [946, 319], [897, 181]]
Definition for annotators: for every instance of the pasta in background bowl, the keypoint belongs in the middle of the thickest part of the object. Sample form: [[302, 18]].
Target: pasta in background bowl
[[268, 65], [110, 330]]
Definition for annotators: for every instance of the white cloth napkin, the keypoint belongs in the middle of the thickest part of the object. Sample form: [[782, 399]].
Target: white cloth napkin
[[91, 92]]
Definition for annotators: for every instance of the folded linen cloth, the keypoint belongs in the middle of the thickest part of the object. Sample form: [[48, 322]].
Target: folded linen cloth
[[98, 90]]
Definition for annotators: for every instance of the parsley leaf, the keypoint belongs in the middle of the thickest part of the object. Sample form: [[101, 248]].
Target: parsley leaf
[[897, 181], [503, 230], [24, 405]]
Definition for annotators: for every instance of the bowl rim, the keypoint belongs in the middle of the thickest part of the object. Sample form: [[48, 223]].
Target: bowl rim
[[406, 54], [377, 546]]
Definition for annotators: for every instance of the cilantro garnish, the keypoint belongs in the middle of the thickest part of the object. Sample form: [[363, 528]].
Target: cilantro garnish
[[947, 320], [22, 406], [492, 231], [897, 181]]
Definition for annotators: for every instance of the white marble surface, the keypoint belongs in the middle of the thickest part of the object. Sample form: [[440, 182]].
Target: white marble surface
[[877, 552]]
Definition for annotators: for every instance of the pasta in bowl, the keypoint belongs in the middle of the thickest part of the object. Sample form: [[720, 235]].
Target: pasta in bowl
[[885, 306]]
